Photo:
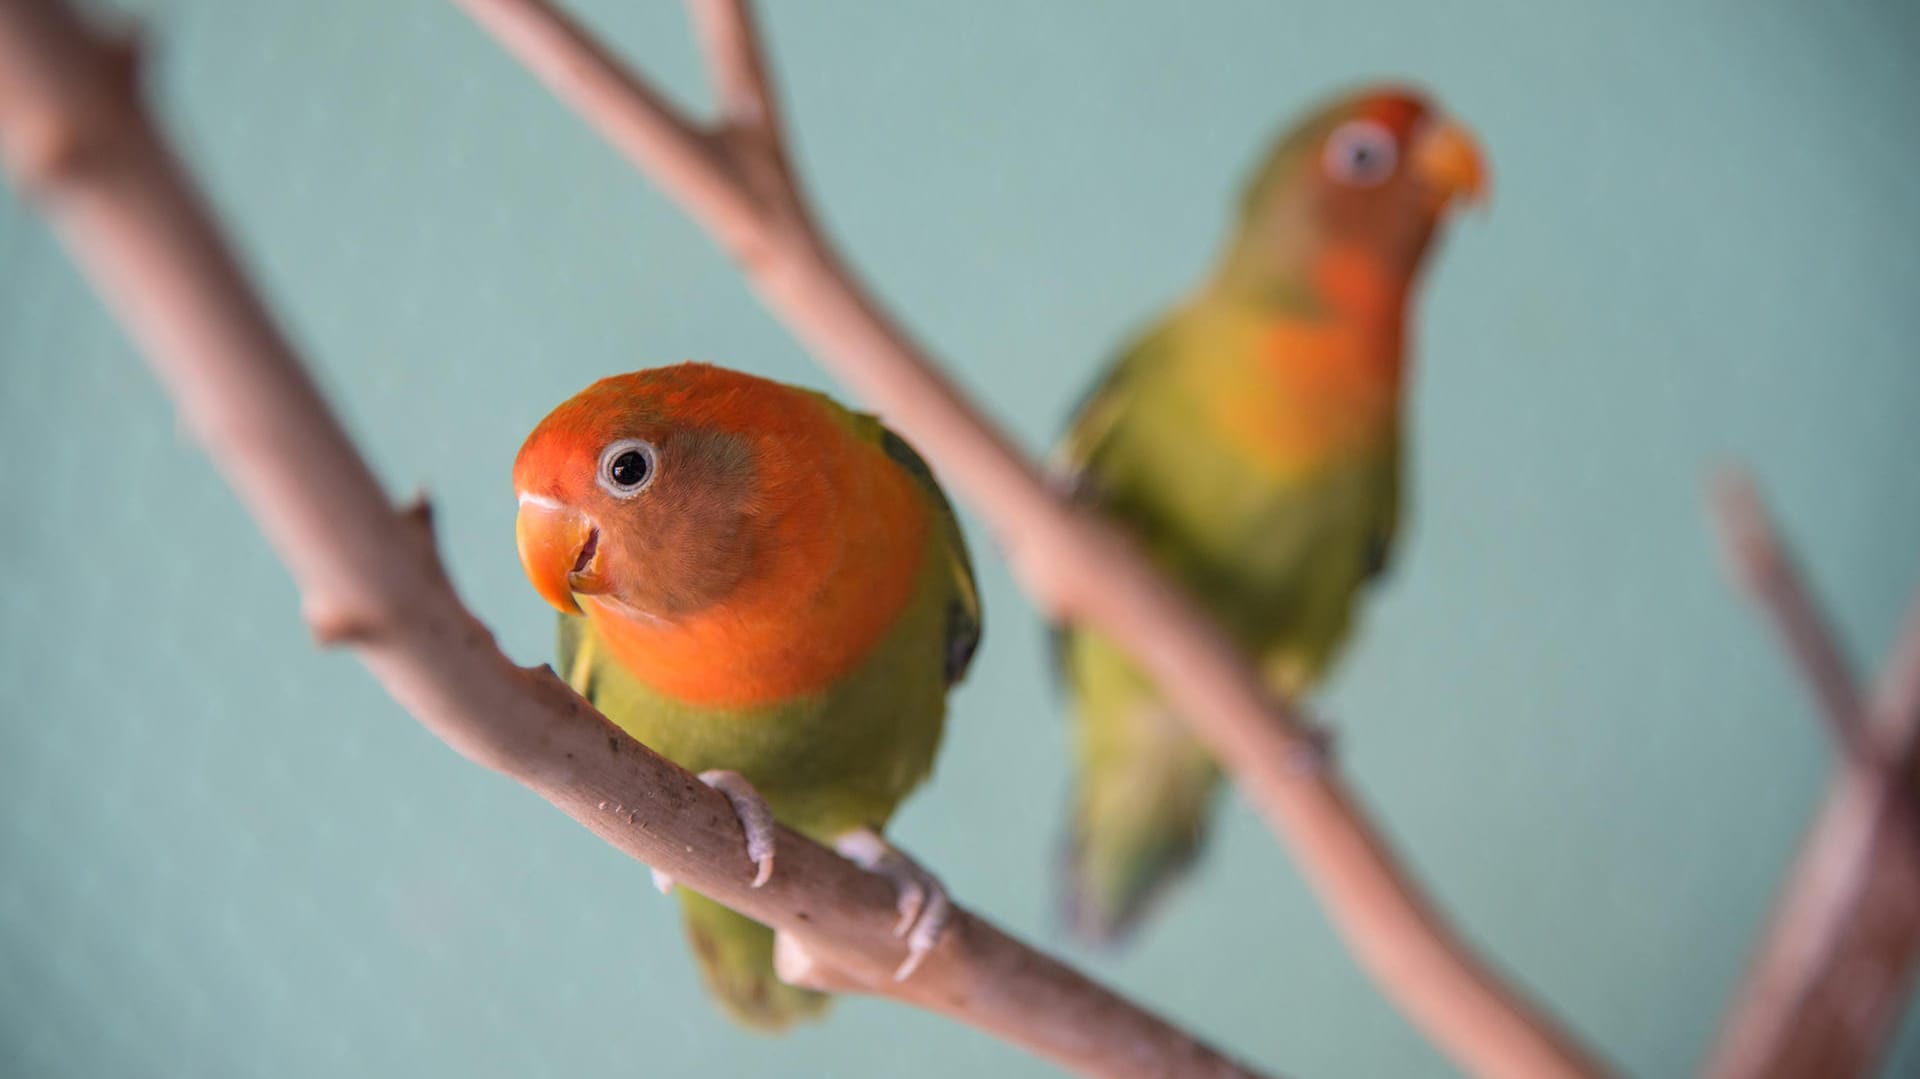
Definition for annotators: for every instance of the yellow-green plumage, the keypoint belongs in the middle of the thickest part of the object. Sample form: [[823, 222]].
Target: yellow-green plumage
[[1277, 561], [826, 763], [1250, 441]]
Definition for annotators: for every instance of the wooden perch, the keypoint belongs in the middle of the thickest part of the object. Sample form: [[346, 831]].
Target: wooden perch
[[76, 138], [735, 178], [1831, 976]]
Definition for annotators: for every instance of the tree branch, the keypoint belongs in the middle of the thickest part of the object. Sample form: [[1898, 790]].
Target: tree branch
[[1076, 566], [76, 139], [1830, 978]]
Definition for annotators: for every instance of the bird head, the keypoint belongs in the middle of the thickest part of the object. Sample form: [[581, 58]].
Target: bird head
[[642, 490], [1368, 176]]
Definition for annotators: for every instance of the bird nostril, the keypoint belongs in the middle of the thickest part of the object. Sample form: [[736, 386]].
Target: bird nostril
[[587, 552]]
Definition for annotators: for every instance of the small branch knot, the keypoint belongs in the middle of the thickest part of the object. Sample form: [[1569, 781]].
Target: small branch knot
[[1310, 752], [416, 519], [418, 511], [334, 627]]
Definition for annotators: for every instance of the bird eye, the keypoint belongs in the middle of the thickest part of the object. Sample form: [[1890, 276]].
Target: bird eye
[[626, 467], [1361, 153]]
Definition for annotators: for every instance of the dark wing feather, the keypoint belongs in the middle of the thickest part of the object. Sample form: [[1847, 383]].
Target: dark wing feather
[[1386, 529], [964, 620]]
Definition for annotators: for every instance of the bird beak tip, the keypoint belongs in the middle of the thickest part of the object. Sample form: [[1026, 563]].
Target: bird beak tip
[[1452, 162], [553, 542]]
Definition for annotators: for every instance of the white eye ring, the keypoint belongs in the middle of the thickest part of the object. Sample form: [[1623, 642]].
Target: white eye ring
[[614, 455], [1361, 153]]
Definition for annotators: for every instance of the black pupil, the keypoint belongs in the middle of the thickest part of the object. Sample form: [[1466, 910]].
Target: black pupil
[[1364, 157], [629, 469]]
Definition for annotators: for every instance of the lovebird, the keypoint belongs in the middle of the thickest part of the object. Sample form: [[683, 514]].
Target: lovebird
[[1250, 443], [772, 591]]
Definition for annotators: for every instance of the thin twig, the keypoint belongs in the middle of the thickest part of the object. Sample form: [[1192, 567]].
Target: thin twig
[[75, 137], [1072, 563], [1897, 698], [1829, 980], [1767, 570]]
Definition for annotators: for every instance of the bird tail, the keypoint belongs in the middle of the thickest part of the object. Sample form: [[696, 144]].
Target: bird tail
[[1143, 792], [736, 960]]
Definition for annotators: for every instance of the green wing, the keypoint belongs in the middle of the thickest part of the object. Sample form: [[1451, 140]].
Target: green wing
[[1078, 460], [1386, 525], [964, 621]]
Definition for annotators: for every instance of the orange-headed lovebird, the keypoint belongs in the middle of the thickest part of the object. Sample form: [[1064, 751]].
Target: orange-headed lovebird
[[1250, 442], [770, 590]]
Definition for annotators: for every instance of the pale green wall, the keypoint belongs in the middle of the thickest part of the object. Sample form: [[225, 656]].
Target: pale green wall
[[225, 854]]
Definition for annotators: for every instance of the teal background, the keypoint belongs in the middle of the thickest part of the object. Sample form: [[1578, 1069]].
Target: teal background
[[224, 853]]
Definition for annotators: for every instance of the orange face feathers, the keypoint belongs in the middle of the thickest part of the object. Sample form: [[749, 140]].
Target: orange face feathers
[[730, 536], [635, 488]]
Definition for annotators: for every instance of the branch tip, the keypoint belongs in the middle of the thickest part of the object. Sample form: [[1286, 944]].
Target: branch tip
[[1750, 546], [417, 512]]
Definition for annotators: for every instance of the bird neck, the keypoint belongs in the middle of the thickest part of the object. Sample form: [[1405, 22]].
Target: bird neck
[[1318, 362]]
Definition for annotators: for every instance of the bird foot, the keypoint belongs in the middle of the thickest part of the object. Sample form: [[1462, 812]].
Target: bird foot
[[756, 819], [661, 881], [924, 905]]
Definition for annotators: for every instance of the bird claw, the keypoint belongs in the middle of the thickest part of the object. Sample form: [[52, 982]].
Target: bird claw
[[924, 905], [756, 818], [661, 881]]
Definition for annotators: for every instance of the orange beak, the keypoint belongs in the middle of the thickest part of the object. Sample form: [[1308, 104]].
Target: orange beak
[[560, 550], [1450, 160]]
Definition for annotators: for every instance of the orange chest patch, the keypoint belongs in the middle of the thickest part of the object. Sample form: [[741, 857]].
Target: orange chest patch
[[1325, 388], [828, 582]]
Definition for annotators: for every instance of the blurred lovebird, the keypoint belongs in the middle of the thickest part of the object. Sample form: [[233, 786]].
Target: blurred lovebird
[[1250, 441], [772, 591]]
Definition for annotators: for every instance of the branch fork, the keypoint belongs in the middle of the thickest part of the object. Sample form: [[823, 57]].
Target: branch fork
[[1830, 974]]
